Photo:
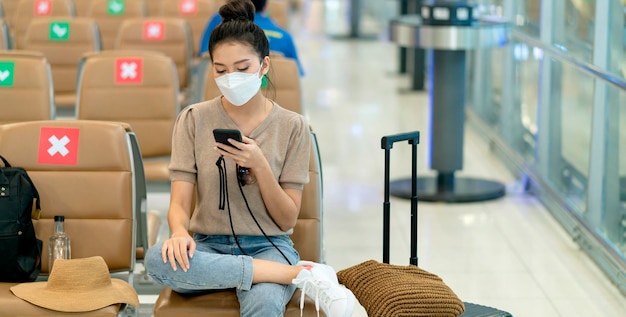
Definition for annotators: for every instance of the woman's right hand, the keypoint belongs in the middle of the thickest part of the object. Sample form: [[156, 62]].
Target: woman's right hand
[[179, 248]]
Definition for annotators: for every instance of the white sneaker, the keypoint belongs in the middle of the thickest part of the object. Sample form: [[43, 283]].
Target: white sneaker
[[319, 282]]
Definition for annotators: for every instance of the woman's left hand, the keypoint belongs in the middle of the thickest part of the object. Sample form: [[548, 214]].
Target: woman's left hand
[[245, 154]]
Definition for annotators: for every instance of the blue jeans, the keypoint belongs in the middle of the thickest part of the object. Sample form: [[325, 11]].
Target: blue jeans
[[219, 264]]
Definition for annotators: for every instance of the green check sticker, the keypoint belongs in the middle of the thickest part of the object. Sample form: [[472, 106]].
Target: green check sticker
[[6, 73], [59, 31], [116, 7]]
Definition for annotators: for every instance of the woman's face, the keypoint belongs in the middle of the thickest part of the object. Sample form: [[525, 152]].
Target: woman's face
[[236, 57]]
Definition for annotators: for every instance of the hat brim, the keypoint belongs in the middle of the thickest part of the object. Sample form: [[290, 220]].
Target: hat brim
[[36, 293]]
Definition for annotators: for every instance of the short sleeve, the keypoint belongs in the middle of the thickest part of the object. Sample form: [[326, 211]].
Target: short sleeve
[[183, 160], [295, 172]]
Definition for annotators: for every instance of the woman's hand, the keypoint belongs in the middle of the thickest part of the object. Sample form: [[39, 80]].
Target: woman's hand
[[178, 249], [245, 154]]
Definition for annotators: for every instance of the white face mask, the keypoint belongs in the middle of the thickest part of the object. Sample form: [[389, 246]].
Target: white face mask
[[238, 87]]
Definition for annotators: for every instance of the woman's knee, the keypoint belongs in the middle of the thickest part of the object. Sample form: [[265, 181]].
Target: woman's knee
[[153, 261], [153, 255]]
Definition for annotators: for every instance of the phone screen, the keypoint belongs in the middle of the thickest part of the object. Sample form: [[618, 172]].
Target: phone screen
[[222, 135]]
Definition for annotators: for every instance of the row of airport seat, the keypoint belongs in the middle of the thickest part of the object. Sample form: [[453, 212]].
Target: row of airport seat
[[283, 77], [83, 7], [136, 87], [109, 14], [96, 186], [63, 40]]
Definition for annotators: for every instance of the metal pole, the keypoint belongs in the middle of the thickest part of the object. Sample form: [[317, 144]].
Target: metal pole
[[603, 189], [404, 9], [355, 17], [447, 105]]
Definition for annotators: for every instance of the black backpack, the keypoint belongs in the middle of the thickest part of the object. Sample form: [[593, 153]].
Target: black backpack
[[20, 250]]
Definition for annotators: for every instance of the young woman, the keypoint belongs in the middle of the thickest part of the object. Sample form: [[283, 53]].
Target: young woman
[[241, 234]]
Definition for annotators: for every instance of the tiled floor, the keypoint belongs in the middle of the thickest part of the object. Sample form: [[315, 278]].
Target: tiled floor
[[507, 253]]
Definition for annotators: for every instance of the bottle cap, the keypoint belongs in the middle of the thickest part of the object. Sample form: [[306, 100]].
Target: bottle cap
[[59, 218]]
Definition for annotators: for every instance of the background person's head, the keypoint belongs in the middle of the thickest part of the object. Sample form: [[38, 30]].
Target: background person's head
[[238, 26]]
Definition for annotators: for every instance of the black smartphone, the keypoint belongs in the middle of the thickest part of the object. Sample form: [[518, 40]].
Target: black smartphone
[[222, 135]]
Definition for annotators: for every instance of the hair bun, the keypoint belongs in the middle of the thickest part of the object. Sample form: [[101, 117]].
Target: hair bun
[[237, 10]]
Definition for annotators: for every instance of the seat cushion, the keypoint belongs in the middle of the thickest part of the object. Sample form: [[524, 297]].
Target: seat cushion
[[11, 305], [393, 290], [219, 304]]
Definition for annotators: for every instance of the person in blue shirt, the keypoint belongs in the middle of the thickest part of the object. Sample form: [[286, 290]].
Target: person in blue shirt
[[279, 39]]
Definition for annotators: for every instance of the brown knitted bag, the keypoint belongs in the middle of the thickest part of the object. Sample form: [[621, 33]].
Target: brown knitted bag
[[387, 290]]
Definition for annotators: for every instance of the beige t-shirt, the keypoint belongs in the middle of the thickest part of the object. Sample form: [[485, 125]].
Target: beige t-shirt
[[285, 140]]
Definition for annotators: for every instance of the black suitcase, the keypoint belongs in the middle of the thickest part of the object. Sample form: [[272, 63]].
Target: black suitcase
[[471, 310]]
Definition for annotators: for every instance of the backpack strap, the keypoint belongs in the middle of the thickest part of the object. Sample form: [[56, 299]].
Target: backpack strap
[[36, 214], [6, 163], [3, 178]]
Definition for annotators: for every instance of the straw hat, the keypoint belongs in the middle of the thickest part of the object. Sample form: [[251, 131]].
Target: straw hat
[[78, 285]]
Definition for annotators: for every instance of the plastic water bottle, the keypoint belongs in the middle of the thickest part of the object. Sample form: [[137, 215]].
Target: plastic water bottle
[[59, 245]]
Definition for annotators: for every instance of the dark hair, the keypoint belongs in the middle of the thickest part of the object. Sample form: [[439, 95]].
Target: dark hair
[[259, 5], [238, 26]]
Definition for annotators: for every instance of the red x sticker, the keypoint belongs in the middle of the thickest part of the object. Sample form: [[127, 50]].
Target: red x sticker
[[187, 7], [58, 146], [43, 7], [129, 70], [154, 30]]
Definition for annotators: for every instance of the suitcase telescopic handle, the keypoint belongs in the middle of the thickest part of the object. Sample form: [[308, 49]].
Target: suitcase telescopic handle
[[388, 141], [387, 144]]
